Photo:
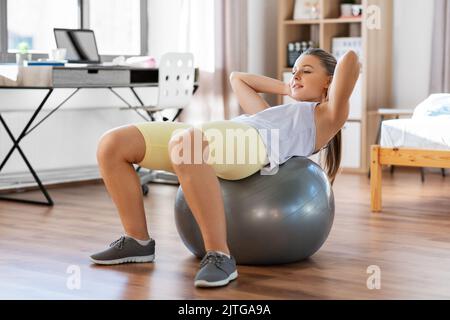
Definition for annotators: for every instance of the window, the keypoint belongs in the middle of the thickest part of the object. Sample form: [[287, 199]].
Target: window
[[117, 26], [32, 22], [120, 26]]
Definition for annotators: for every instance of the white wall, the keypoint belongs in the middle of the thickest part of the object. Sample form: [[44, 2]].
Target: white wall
[[413, 21], [262, 39]]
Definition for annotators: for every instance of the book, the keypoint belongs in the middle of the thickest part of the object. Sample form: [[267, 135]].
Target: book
[[46, 63]]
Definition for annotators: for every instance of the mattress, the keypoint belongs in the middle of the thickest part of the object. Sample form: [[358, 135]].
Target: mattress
[[423, 133]]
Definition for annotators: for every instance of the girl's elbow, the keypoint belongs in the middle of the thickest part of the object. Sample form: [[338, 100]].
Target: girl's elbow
[[351, 60], [350, 54], [235, 75]]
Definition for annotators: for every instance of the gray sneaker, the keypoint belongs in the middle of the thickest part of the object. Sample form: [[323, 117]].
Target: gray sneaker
[[216, 270], [125, 250]]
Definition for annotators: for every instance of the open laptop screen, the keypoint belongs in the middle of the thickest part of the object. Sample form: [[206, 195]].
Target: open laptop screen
[[80, 44]]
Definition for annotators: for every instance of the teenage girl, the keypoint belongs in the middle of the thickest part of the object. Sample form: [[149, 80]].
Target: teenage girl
[[322, 88]]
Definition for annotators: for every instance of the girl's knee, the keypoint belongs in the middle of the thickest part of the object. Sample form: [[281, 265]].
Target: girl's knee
[[107, 146], [124, 143]]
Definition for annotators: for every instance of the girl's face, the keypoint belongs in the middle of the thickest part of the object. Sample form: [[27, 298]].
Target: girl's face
[[310, 81]]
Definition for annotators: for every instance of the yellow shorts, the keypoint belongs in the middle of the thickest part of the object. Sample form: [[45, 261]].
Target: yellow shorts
[[236, 150]]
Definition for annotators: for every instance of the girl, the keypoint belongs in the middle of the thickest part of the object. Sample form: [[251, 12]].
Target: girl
[[322, 88]]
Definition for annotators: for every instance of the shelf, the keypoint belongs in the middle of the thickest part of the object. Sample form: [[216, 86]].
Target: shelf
[[343, 20], [294, 22], [319, 21]]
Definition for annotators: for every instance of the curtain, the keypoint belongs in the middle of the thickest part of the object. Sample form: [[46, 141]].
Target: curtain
[[231, 44], [215, 31], [440, 55]]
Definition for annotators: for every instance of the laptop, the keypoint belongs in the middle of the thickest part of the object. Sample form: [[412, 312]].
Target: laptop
[[80, 45]]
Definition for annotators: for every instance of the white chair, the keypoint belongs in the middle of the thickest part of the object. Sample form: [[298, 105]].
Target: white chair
[[176, 87]]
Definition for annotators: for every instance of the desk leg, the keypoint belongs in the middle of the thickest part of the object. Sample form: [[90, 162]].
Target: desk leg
[[128, 104], [149, 113], [16, 142]]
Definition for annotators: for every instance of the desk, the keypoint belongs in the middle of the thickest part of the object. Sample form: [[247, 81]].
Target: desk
[[51, 78]]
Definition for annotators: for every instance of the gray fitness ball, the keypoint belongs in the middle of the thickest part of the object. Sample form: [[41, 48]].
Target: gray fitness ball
[[275, 219]]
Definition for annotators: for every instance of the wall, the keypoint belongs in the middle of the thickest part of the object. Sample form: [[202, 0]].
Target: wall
[[413, 21]]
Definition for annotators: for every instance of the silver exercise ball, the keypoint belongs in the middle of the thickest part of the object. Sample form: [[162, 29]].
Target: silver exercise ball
[[271, 219]]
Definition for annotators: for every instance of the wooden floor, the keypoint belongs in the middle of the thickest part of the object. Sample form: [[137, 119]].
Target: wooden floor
[[409, 241]]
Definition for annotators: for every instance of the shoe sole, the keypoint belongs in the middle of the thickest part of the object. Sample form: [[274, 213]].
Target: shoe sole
[[207, 284], [138, 259]]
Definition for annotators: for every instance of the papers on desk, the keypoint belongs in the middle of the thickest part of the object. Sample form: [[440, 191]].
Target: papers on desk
[[9, 71], [76, 65], [12, 75], [139, 62]]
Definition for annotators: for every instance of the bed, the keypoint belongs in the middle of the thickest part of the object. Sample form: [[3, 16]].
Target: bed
[[422, 141]]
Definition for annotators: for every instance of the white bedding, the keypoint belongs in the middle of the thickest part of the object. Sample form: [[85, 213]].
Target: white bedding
[[418, 133], [429, 127]]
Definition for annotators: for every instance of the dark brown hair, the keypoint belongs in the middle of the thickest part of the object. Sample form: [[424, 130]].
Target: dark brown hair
[[333, 150]]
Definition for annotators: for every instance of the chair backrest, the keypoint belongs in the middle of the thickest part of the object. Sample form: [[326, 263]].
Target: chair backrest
[[176, 80]]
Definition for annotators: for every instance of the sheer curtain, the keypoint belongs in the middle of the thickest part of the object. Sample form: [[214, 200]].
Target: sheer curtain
[[440, 55], [215, 31]]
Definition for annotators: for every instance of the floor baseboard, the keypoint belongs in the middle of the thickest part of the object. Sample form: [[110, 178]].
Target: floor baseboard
[[24, 181]]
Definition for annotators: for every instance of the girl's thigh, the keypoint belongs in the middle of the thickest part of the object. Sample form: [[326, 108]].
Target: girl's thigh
[[236, 150], [157, 136]]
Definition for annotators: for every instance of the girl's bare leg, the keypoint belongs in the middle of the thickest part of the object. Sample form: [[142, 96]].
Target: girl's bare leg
[[118, 149], [202, 192]]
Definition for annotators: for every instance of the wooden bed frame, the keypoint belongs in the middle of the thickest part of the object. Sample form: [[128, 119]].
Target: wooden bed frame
[[401, 157]]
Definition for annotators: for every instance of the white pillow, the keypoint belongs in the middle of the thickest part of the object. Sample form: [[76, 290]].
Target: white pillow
[[434, 106]]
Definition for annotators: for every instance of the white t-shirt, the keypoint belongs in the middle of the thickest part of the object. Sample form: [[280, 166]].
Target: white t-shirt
[[287, 131]]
